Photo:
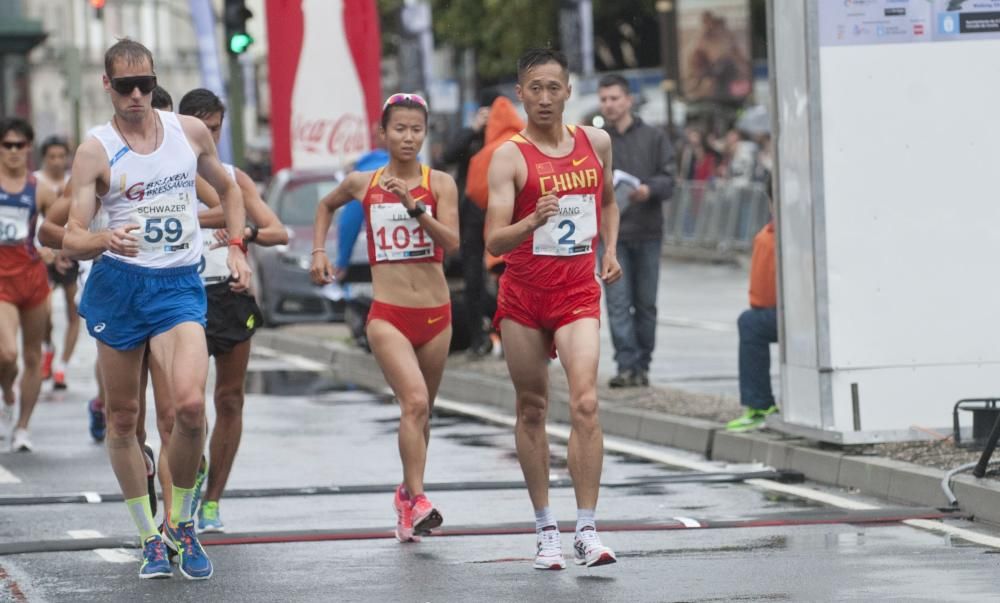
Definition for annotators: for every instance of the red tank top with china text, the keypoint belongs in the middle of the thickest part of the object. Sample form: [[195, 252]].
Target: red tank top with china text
[[560, 253]]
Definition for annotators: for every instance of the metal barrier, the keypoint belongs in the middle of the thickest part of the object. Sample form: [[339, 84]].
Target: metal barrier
[[714, 220]]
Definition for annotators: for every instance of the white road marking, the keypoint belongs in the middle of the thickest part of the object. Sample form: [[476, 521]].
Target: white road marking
[[615, 444], [92, 497], [6, 477], [963, 533], [298, 361], [687, 522], [109, 555], [691, 323], [802, 492]]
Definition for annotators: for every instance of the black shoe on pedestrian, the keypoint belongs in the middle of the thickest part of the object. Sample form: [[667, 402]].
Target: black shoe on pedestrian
[[481, 347], [147, 453], [642, 379], [625, 378]]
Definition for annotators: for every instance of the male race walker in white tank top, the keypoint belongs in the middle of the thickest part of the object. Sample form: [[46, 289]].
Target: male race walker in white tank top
[[141, 166]]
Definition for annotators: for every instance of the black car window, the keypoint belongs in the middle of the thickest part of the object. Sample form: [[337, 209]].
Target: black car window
[[298, 202]]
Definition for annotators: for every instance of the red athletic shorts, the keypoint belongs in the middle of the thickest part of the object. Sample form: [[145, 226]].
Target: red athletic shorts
[[419, 325], [547, 309], [27, 288]]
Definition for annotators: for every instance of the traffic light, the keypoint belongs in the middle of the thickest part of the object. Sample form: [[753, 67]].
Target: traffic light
[[235, 19]]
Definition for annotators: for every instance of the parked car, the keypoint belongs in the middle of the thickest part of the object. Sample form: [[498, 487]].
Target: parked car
[[283, 288]]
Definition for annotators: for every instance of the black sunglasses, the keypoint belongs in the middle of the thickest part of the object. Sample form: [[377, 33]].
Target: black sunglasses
[[14, 146], [125, 85]]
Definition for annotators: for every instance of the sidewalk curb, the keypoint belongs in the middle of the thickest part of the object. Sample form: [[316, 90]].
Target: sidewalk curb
[[892, 480]]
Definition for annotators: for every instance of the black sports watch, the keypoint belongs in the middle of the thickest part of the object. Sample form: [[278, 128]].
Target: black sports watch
[[418, 210]]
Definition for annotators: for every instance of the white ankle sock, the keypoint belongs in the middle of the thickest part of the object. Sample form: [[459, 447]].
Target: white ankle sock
[[585, 519], [544, 517]]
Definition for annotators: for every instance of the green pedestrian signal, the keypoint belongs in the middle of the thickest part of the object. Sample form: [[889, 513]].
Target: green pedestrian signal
[[235, 17], [239, 43]]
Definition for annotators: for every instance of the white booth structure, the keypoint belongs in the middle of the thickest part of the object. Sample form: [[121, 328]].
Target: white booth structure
[[887, 114]]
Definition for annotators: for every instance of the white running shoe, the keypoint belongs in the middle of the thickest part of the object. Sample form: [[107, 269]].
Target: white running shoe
[[588, 549], [549, 555], [6, 420], [20, 441]]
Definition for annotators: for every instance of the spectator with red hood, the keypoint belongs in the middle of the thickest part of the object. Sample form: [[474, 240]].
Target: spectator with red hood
[[503, 123]]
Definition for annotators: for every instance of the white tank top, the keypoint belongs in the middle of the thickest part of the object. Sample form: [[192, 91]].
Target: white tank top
[[155, 191], [213, 268]]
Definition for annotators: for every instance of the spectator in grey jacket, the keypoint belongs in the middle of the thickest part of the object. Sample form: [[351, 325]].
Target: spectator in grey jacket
[[645, 153]]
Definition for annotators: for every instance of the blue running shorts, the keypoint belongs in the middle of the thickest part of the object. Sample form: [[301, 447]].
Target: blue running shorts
[[126, 305]]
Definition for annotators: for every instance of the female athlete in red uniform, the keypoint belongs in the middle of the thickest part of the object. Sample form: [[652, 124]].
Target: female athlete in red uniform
[[412, 219]]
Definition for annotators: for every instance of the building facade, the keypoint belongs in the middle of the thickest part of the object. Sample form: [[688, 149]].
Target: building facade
[[67, 93]]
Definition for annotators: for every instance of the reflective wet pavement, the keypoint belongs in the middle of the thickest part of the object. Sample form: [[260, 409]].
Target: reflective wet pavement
[[302, 430]]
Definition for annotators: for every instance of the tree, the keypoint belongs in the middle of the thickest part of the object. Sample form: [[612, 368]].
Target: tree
[[498, 30], [625, 31]]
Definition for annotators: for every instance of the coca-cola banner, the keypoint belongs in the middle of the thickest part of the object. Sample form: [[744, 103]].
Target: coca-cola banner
[[324, 69]]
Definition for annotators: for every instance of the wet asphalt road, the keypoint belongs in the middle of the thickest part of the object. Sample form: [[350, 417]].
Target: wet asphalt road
[[302, 430]]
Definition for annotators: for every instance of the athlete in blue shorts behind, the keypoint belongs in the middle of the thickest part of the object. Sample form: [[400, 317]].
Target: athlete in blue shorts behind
[[141, 166]]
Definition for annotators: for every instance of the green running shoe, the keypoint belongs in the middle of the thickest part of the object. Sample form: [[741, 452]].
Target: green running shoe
[[209, 521], [199, 482], [750, 420]]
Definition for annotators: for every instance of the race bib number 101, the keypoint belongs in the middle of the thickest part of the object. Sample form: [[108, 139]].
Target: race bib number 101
[[571, 231], [397, 235]]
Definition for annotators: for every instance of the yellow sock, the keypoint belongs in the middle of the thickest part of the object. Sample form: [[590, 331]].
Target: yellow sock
[[180, 506], [142, 515]]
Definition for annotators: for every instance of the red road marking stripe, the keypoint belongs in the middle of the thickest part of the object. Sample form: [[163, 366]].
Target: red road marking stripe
[[12, 587]]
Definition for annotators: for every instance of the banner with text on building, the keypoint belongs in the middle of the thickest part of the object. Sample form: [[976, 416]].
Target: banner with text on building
[[324, 69], [868, 22]]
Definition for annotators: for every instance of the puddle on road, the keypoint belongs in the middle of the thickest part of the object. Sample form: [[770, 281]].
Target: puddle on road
[[771, 543], [293, 383], [775, 500], [628, 459], [646, 490]]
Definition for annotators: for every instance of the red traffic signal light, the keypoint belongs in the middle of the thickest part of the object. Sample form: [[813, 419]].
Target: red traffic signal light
[[98, 4]]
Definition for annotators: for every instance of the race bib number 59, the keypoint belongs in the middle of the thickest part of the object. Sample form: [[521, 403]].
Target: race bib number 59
[[397, 235], [166, 223], [571, 231], [13, 224]]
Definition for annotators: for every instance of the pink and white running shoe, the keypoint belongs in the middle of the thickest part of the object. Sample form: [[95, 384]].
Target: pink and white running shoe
[[425, 516], [401, 504]]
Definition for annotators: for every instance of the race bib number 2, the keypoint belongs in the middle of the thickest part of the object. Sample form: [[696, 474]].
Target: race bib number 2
[[571, 231], [166, 224], [13, 224], [397, 235]]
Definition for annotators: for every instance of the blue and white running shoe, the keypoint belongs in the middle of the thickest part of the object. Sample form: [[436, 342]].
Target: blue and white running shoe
[[154, 559], [191, 558]]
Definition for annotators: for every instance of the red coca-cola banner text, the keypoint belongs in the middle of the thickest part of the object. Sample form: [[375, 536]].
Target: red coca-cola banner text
[[336, 134]]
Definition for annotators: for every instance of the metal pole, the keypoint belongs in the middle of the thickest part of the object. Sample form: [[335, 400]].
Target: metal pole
[[74, 94], [235, 109], [666, 12], [587, 37], [991, 445], [856, 406]]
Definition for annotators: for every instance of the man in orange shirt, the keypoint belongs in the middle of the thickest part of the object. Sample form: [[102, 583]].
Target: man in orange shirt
[[758, 328]]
